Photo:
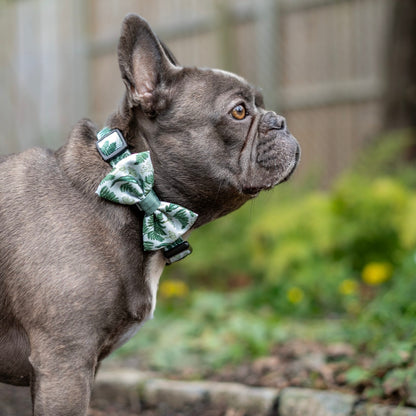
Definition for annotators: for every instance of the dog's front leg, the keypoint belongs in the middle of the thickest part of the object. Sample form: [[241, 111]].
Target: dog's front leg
[[60, 385]]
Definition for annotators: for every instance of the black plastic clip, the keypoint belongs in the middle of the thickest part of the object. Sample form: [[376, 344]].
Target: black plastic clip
[[177, 253]]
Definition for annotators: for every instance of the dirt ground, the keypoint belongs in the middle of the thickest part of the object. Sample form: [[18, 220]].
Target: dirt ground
[[296, 363]]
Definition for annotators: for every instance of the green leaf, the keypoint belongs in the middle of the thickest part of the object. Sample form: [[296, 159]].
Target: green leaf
[[183, 217], [397, 379], [357, 375], [154, 230], [148, 245], [171, 208], [147, 227], [146, 182], [153, 235], [158, 226], [108, 148], [127, 187], [109, 177], [126, 178], [373, 392], [107, 194], [141, 157]]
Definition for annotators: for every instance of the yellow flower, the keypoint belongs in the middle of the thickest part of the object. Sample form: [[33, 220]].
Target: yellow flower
[[376, 273], [348, 287], [295, 295], [173, 289]]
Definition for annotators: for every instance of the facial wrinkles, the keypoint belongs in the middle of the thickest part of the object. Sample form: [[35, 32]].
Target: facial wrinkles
[[251, 134]]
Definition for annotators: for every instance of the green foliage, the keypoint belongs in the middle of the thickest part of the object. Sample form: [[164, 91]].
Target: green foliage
[[306, 253], [389, 317], [367, 217], [392, 372], [387, 155], [212, 330], [357, 375], [346, 255]]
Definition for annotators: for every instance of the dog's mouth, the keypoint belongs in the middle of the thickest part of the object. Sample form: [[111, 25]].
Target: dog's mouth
[[252, 190], [292, 167]]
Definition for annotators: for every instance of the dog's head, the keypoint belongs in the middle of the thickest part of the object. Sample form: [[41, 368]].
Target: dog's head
[[212, 143]]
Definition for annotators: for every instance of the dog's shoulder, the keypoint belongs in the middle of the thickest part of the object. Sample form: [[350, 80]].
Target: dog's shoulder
[[81, 139], [84, 130]]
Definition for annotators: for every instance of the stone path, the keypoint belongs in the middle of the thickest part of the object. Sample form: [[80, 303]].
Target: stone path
[[129, 392], [245, 401]]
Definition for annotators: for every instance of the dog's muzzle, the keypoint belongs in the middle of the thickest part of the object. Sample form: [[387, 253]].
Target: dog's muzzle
[[277, 152], [274, 155], [276, 147]]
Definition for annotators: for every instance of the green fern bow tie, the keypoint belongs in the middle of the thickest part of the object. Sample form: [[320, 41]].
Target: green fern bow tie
[[131, 182]]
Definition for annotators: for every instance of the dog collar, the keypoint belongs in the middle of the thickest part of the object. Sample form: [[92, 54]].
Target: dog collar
[[131, 183]]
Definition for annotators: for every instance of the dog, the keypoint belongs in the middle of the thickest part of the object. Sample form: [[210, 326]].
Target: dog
[[75, 279]]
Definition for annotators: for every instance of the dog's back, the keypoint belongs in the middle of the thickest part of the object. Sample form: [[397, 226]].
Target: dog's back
[[17, 211]]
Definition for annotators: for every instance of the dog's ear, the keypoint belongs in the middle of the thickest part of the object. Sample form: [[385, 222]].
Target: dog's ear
[[145, 64], [169, 54]]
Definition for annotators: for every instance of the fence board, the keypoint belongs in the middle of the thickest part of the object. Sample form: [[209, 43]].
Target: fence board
[[320, 62]]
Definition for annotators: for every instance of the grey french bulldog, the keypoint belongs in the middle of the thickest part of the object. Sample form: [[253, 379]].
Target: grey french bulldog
[[75, 281]]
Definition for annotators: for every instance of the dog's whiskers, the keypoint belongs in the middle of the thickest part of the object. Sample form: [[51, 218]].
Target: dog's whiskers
[[219, 189]]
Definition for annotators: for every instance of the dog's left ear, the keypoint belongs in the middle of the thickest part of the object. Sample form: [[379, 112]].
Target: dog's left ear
[[145, 64]]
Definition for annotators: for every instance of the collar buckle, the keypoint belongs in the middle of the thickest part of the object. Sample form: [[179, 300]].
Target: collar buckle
[[110, 144], [177, 252]]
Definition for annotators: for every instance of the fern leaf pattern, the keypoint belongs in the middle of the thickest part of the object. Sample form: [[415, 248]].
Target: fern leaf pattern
[[130, 182]]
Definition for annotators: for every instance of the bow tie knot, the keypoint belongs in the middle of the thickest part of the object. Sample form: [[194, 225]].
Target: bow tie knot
[[131, 182]]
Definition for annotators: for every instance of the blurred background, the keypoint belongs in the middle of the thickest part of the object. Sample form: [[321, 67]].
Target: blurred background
[[323, 64], [329, 257]]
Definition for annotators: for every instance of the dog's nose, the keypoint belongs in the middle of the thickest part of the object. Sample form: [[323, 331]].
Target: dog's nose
[[273, 121]]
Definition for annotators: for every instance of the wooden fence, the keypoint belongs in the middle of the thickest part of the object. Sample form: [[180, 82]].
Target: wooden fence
[[320, 63]]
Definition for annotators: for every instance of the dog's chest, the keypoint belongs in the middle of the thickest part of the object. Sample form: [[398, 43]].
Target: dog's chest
[[153, 271]]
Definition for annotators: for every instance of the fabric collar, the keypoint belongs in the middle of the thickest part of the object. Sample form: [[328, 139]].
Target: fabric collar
[[131, 182]]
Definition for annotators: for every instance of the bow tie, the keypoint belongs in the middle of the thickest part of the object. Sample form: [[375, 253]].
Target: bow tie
[[131, 182]]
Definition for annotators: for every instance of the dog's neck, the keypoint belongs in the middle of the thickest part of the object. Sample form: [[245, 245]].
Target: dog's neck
[[79, 158], [125, 120], [85, 168]]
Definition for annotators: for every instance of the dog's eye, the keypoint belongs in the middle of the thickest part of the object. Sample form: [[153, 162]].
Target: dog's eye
[[239, 112]]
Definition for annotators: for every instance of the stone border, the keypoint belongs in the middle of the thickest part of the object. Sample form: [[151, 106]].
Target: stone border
[[139, 386]]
